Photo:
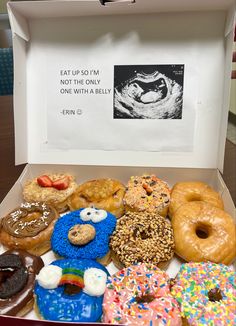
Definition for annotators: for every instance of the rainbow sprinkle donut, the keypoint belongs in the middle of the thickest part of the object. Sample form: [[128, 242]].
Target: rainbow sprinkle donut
[[206, 293], [71, 290], [140, 295]]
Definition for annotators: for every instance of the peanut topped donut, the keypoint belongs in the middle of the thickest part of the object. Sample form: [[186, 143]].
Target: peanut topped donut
[[140, 295], [142, 237], [29, 227], [53, 189], [104, 194], [206, 294], [147, 193], [203, 232], [184, 192]]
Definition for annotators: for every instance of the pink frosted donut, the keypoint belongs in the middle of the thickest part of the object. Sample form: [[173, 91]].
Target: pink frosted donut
[[140, 295]]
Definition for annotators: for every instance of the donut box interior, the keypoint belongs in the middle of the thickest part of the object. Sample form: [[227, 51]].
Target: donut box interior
[[74, 64]]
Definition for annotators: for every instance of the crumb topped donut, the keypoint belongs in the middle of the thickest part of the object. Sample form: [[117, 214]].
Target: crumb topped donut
[[147, 193], [206, 294], [184, 192], [105, 194], [29, 227], [142, 237], [83, 234], [54, 189], [140, 295], [203, 232]]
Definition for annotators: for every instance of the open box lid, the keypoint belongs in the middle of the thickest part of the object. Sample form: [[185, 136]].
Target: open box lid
[[141, 84]]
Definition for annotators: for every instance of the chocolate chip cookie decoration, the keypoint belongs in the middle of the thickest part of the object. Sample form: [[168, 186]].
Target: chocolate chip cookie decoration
[[81, 234]]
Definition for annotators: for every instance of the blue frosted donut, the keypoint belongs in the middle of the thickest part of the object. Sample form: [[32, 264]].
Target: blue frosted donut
[[103, 224], [54, 303]]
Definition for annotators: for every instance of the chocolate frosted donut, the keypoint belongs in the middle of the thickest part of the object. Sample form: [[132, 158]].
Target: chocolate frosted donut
[[18, 270]]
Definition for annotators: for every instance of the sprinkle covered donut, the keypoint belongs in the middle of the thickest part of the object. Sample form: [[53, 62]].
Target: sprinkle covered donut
[[71, 290], [206, 293], [140, 295], [83, 234]]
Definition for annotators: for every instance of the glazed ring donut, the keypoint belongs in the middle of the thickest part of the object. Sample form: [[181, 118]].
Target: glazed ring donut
[[71, 290], [140, 295], [184, 192], [147, 193], [204, 233], [29, 227], [18, 270], [206, 294], [142, 237], [104, 194]]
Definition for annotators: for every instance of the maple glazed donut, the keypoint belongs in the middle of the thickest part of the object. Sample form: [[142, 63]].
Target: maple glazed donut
[[53, 189], [29, 227], [206, 294], [147, 193], [184, 192], [203, 232], [18, 270], [142, 237], [104, 194], [140, 295]]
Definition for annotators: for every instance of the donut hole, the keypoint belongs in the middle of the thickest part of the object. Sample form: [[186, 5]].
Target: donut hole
[[71, 289], [202, 231], [194, 197], [145, 298]]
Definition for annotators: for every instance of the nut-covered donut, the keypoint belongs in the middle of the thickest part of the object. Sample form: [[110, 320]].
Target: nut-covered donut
[[142, 237], [29, 227], [147, 193], [203, 232], [18, 270], [104, 194], [184, 192]]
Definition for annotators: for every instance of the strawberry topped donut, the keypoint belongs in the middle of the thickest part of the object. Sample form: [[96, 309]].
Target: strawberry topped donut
[[140, 295]]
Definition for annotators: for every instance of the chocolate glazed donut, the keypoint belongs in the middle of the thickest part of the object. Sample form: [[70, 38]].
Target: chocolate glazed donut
[[18, 270]]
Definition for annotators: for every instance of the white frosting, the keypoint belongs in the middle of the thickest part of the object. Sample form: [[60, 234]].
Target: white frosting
[[93, 214], [94, 281], [49, 276]]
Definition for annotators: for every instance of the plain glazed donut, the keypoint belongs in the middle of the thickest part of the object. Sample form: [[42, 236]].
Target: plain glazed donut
[[203, 232], [184, 192], [206, 294], [140, 295]]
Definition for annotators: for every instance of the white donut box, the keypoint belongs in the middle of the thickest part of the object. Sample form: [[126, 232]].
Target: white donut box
[[61, 46]]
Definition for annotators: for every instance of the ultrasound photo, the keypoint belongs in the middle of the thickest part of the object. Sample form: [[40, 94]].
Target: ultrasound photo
[[148, 91]]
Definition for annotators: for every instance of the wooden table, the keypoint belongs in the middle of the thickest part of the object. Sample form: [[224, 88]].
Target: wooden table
[[9, 172]]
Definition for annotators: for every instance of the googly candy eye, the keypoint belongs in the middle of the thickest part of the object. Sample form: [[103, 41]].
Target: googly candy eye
[[98, 215], [49, 276], [87, 213], [94, 281]]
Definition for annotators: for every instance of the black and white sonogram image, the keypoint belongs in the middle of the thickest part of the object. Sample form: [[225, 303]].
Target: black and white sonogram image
[[148, 91]]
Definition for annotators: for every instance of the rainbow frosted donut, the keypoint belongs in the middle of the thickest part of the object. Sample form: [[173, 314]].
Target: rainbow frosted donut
[[206, 293], [140, 295], [71, 290], [83, 234]]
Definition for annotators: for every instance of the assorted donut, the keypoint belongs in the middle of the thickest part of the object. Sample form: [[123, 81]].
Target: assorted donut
[[138, 227]]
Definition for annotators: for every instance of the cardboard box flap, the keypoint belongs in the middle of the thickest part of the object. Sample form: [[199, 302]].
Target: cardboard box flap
[[74, 90]]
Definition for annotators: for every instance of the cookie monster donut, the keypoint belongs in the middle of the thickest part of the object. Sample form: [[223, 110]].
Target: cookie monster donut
[[140, 295], [84, 234], [206, 294], [71, 290]]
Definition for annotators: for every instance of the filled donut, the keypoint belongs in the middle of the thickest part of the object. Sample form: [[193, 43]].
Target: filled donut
[[104, 194], [184, 192], [206, 294], [203, 232], [84, 233], [29, 227], [53, 189], [140, 295], [18, 270], [147, 193], [142, 237], [71, 290]]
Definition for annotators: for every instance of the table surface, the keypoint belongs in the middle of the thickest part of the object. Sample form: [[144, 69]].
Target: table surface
[[9, 173]]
